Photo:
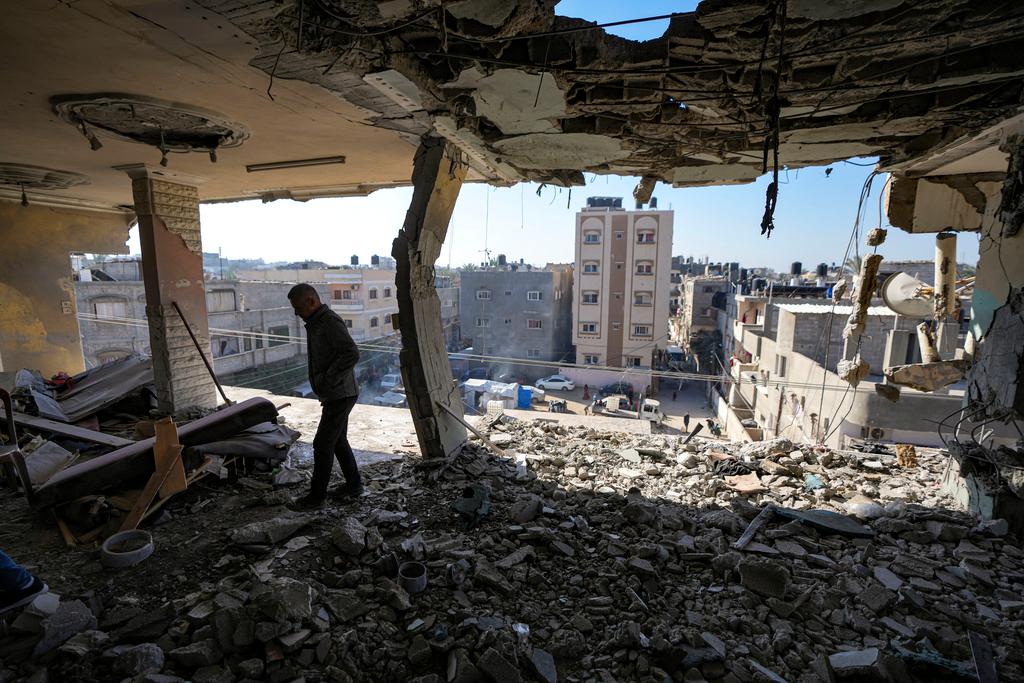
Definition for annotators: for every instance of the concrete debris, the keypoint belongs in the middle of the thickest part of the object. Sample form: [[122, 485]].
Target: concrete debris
[[927, 376], [582, 573], [852, 371], [876, 236]]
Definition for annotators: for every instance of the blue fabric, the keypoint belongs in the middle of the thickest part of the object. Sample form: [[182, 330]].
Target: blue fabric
[[12, 575]]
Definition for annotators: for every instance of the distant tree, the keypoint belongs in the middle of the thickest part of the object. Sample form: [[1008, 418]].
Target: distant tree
[[852, 264]]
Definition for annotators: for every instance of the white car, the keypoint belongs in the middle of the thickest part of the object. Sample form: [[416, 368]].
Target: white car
[[389, 382], [556, 382]]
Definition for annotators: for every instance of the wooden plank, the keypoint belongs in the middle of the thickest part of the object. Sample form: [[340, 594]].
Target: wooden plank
[[762, 518], [70, 431], [164, 452], [149, 493], [470, 428], [69, 538]]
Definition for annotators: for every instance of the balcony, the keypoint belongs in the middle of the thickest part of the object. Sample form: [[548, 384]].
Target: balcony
[[347, 306]]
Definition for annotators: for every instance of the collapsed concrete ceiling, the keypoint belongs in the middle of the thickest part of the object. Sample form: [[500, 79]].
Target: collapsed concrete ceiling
[[530, 95], [525, 94]]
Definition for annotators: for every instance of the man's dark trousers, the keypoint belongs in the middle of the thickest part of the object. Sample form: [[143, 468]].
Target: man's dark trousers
[[330, 442]]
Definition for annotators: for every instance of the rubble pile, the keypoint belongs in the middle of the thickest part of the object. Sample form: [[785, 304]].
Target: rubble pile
[[587, 556]]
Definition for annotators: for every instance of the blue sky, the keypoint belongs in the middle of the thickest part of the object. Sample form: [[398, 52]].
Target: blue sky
[[813, 220]]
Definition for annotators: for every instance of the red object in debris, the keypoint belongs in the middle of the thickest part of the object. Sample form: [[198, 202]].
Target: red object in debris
[[62, 381]]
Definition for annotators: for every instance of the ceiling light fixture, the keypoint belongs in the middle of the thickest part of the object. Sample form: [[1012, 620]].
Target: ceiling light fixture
[[297, 163]]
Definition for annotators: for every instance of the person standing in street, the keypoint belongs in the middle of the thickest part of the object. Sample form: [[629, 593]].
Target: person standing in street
[[686, 422], [332, 358]]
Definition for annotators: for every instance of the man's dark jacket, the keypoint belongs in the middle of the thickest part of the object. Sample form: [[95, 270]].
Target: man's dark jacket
[[332, 356]]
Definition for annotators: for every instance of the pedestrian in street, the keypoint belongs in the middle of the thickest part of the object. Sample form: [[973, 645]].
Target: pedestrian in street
[[17, 586], [332, 357], [673, 395], [686, 422]]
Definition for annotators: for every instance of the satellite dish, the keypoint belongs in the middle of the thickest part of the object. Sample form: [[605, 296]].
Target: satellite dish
[[908, 296]]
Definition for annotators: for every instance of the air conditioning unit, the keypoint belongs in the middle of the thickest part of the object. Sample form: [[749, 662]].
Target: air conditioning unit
[[877, 433]]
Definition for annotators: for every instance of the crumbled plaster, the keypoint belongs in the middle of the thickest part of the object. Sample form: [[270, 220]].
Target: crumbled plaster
[[490, 12], [515, 101], [996, 380], [927, 376], [566, 150]]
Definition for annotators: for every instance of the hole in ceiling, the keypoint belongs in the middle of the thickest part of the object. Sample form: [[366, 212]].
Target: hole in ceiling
[[168, 126], [608, 11], [39, 177]]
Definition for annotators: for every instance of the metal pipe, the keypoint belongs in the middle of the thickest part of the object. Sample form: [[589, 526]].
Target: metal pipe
[[202, 355]]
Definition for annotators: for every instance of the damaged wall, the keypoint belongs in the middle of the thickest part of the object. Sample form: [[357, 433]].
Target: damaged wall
[[38, 323]]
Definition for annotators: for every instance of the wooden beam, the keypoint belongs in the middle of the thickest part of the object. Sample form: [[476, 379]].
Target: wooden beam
[[167, 452], [149, 493], [437, 177], [70, 431]]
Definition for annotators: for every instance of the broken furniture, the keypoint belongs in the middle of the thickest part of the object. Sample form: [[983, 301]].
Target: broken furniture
[[12, 462], [134, 462]]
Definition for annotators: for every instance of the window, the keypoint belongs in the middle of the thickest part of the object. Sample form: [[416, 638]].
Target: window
[[219, 300], [533, 353], [373, 294], [645, 237], [592, 238], [618, 265], [590, 267], [616, 326], [589, 359], [641, 330], [374, 322], [589, 297], [110, 308], [588, 328], [508, 292], [483, 322], [336, 294], [632, 361], [387, 292], [643, 298], [387, 319], [348, 323], [533, 296], [708, 289], [277, 335], [483, 294], [534, 324], [644, 267], [619, 234], [780, 366], [346, 294], [223, 346]]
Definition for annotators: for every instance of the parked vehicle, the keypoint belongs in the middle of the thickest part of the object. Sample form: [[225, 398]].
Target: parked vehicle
[[556, 382], [624, 388], [618, 406], [476, 373], [389, 382], [391, 400], [508, 378]]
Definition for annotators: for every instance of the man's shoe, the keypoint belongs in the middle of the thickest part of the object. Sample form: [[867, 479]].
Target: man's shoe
[[309, 502], [346, 493], [17, 598]]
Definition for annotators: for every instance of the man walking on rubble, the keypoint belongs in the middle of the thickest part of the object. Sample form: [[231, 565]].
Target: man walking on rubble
[[332, 357]]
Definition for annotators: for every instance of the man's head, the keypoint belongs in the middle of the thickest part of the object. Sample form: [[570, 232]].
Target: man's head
[[304, 300]]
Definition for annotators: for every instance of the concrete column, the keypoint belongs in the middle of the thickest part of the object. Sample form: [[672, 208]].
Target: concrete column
[[167, 206], [437, 178], [38, 321]]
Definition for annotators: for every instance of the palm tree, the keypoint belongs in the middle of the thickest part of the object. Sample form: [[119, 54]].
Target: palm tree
[[852, 265]]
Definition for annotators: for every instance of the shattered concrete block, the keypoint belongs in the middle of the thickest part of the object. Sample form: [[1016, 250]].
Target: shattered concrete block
[[852, 371], [927, 376], [198, 654], [876, 598], [349, 537], [862, 295], [285, 599], [876, 236], [269, 531], [764, 578], [526, 509], [497, 668], [861, 664], [68, 619], [141, 659]]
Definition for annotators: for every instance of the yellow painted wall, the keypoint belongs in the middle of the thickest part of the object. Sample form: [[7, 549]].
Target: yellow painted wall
[[35, 279]]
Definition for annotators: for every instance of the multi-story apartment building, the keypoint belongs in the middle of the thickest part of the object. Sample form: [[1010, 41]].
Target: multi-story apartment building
[[701, 301], [448, 294], [520, 313], [251, 323], [365, 298], [622, 280]]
